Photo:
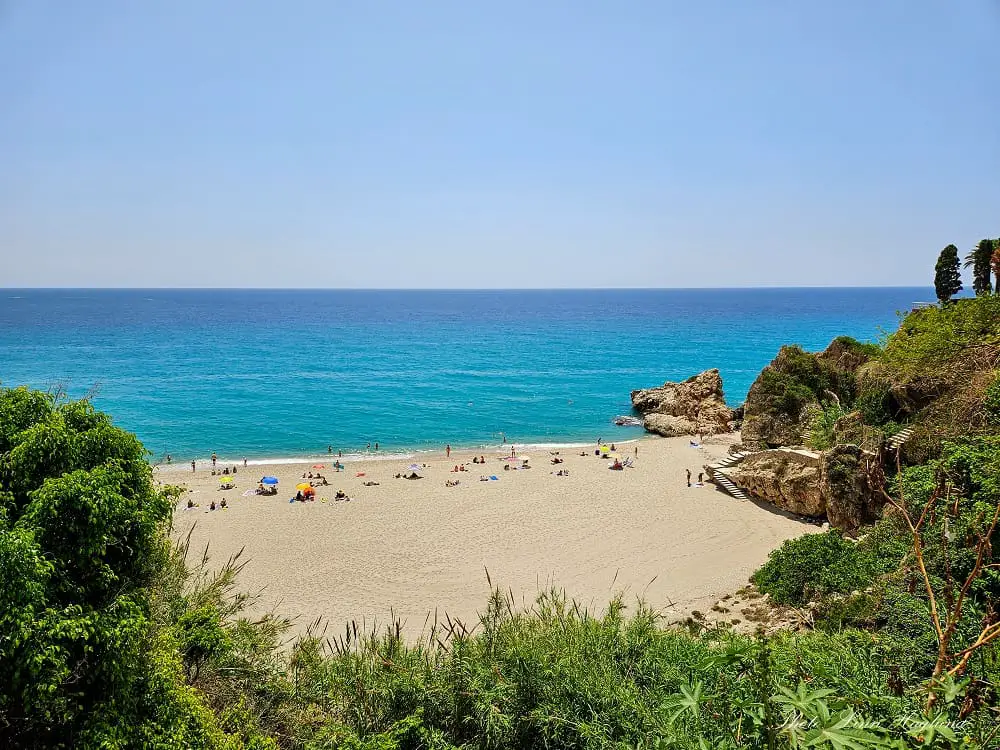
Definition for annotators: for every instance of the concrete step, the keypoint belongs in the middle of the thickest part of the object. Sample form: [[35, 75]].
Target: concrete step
[[727, 484], [899, 438]]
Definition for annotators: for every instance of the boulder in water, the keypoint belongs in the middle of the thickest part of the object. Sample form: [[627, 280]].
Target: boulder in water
[[626, 421]]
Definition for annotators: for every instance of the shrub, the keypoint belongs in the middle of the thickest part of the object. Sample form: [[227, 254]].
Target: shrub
[[783, 393], [812, 565], [991, 402], [821, 428], [868, 350]]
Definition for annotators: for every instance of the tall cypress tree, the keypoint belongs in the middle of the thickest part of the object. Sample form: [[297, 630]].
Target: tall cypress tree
[[979, 260], [947, 277], [995, 263]]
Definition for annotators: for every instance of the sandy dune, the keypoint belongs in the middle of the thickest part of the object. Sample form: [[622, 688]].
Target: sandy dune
[[416, 546]]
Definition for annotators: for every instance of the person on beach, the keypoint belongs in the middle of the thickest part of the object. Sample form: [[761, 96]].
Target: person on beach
[[368, 447], [192, 466], [512, 452], [329, 449], [700, 475], [637, 451], [212, 506], [447, 451], [244, 461], [169, 459], [376, 446], [688, 476], [214, 459]]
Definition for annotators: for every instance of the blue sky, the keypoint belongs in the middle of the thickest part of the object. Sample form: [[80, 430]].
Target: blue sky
[[513, 144]]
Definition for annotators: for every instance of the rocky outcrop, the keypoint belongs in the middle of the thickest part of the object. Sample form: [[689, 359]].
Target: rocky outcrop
[[793, 387], [833, 484], [790, 479], [851, 500], [695, 406]]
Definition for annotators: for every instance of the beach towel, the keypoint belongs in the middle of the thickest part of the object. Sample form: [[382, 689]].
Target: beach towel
[[495, 478]]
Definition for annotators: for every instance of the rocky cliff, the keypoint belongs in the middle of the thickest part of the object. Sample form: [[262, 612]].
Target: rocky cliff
[[694, 406], [795, 385]]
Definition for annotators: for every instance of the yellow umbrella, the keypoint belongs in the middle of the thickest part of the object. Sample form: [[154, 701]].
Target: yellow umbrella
[[303, 486], [225, 479]]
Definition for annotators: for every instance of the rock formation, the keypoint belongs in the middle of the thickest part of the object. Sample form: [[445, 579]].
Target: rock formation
[[851, 501], [833, 484], [695, 406], [793, 386], [790, 479]]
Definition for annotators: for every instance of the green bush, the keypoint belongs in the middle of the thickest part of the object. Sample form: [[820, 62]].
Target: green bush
[[813, 565], [991, 402], [862, 349], [821, 428], [783, 393], [876, 404]]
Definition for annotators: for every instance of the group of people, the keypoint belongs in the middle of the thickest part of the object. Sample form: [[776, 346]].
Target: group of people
[[340, 453], [316, 480], [192, 505]]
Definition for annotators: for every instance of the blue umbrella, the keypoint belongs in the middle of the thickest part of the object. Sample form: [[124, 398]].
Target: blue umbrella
[[269, 480]]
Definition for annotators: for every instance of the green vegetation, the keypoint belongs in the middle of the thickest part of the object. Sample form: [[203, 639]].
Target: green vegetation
[[822, 427], [817, 564], [979, 260], [947, 274], [82, 543]]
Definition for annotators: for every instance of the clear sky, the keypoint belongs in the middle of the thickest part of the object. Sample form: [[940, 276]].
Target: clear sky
[[457, 143]]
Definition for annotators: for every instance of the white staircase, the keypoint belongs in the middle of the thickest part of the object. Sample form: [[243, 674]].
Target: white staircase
[[727, 484], [716, 472], [896, 441]]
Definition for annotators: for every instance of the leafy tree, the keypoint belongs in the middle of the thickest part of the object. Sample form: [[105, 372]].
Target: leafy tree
[[82, 537], [979, 260], [947, 277]]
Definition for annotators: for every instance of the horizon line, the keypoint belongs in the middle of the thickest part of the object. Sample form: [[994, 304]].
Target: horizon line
[[443, 289]]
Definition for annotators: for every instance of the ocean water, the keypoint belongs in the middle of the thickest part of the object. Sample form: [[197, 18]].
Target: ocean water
[[279, 374]]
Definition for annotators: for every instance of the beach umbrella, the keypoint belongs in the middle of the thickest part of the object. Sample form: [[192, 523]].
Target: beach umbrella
[[303, 486], [269, 480], [415, 467]]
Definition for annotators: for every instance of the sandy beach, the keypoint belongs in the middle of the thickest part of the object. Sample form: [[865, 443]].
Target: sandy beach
[[415, 547]]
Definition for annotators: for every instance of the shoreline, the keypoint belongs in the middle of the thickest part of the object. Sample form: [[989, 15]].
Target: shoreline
[[502, 449]]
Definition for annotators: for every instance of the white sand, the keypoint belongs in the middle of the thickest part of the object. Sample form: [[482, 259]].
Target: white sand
[[415, 546]]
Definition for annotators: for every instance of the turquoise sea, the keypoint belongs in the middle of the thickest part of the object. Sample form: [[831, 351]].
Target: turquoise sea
[[281, 374]]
